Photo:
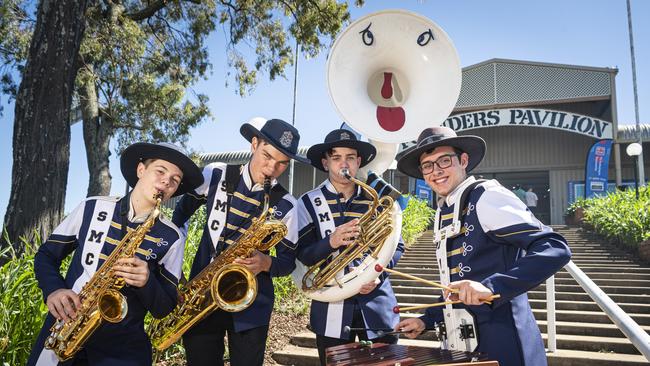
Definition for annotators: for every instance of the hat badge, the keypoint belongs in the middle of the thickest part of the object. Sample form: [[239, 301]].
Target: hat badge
[[345, 136], [286, 139]]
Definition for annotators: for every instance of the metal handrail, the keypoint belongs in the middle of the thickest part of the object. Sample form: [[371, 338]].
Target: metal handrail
[[624, 322]]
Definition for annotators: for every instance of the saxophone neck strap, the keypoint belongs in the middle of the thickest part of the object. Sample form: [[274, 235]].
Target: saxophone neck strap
[[125, 204], [233, 175]]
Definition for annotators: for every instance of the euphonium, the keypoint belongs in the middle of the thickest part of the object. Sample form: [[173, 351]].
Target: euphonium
[[221, 284], [379, 235], [100, 297]]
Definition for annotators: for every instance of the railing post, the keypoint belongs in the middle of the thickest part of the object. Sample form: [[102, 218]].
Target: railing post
[[550, 314]]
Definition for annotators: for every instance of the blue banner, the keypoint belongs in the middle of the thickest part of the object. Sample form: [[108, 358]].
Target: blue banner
[[423, 191], [597, 168]]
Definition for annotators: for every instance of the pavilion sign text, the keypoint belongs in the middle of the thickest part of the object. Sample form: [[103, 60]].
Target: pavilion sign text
[[566, 121]]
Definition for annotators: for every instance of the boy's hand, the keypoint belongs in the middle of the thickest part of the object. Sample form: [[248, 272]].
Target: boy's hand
[[134, 271], [345, 234], [256, 263], [469, 292], [411, 327], [369, 287], [63, 304]]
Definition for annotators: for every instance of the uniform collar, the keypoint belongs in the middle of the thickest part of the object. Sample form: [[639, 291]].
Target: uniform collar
[[248, 180], [453, 196], [136, 219]]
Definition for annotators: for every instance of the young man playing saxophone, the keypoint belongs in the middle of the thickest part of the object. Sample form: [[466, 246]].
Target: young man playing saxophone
[[273, 143], [92, 231], [328, 220]]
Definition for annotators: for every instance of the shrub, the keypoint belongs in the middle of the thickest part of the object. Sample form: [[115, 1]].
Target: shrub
[[620, 216], [415, 219], [580, 202], [22, 309]]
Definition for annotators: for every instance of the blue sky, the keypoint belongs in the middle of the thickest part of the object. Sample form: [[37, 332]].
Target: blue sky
[[578, 32]]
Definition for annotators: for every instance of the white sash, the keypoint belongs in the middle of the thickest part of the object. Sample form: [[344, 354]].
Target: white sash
[[217, 216], [94, 240], [453, 318], [334, 322]]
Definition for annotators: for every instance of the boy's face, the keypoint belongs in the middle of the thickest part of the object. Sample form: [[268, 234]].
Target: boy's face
[[158, 176], [267, 161], [341, 158], [444, 181]]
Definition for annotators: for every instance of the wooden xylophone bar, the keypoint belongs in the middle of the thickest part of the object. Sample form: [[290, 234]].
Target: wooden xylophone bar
[[381, 354]]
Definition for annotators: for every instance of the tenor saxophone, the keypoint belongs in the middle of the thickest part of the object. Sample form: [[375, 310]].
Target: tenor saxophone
[[100, 297], [221, 284]]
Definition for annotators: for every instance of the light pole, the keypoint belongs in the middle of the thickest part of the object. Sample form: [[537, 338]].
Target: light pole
[[634, 150], [639, 159]]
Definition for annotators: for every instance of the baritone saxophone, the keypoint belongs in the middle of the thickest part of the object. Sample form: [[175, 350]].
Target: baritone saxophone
[[221, 284]]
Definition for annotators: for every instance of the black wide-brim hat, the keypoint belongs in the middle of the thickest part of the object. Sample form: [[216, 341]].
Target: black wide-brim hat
[[341, 138], [409, 160], [279, 134], [141, 151]]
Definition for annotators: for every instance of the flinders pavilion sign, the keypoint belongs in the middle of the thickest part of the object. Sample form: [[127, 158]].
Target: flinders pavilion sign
[[530, 117]]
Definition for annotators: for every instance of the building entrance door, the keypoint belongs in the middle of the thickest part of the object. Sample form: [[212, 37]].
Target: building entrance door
[[538, 181]]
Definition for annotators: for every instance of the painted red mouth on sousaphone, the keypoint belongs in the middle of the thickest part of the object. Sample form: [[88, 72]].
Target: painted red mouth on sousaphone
[[390, 118]]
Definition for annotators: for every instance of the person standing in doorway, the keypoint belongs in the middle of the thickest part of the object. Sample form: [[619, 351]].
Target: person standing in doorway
[[520, 193], [531, 200]]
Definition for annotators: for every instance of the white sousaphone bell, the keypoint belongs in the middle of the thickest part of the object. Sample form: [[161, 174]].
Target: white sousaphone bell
[[390, 74]]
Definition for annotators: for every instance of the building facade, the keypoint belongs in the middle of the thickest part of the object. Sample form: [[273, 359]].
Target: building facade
[[539, 121]]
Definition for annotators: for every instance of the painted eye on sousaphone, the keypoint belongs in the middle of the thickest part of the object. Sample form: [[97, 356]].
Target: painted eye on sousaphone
[[393, 73]]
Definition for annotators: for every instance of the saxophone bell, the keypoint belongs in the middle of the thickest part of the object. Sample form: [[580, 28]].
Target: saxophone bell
[[112, 306], [234, 288]]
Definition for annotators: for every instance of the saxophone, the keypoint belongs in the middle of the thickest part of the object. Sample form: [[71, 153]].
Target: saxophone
[[221, 284], [100, 297]]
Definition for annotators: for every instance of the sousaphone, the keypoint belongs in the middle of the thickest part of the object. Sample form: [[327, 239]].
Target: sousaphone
[[390, 75]]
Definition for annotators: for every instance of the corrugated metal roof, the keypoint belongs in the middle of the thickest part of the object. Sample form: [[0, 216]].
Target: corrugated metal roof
[[628, 133], [236, 157], [513, 82]]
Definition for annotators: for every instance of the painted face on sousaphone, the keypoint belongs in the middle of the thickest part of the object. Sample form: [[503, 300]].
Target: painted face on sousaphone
[[393, 73]]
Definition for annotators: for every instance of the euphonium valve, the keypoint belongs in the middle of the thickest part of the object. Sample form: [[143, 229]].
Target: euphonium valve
[[379, 235]]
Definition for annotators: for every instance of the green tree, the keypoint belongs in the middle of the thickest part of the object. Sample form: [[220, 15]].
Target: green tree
[[41, 135], [139, 60]]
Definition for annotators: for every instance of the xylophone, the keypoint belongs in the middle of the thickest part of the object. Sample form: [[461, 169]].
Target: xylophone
[[380, 354]]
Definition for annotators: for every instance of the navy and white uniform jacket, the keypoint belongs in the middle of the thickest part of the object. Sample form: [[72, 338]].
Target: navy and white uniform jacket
[[224, 225], [320, 212], [503, 246], [92, 231]]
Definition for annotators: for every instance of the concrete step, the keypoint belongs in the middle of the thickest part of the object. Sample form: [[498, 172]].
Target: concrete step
[[606, 289], [574, 296], [416, 300], [566, 357], [591, 317], [581, 343], [396, 280], [586, 329], [588, 316], [593, 273], [296, 356], [301, 356]]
